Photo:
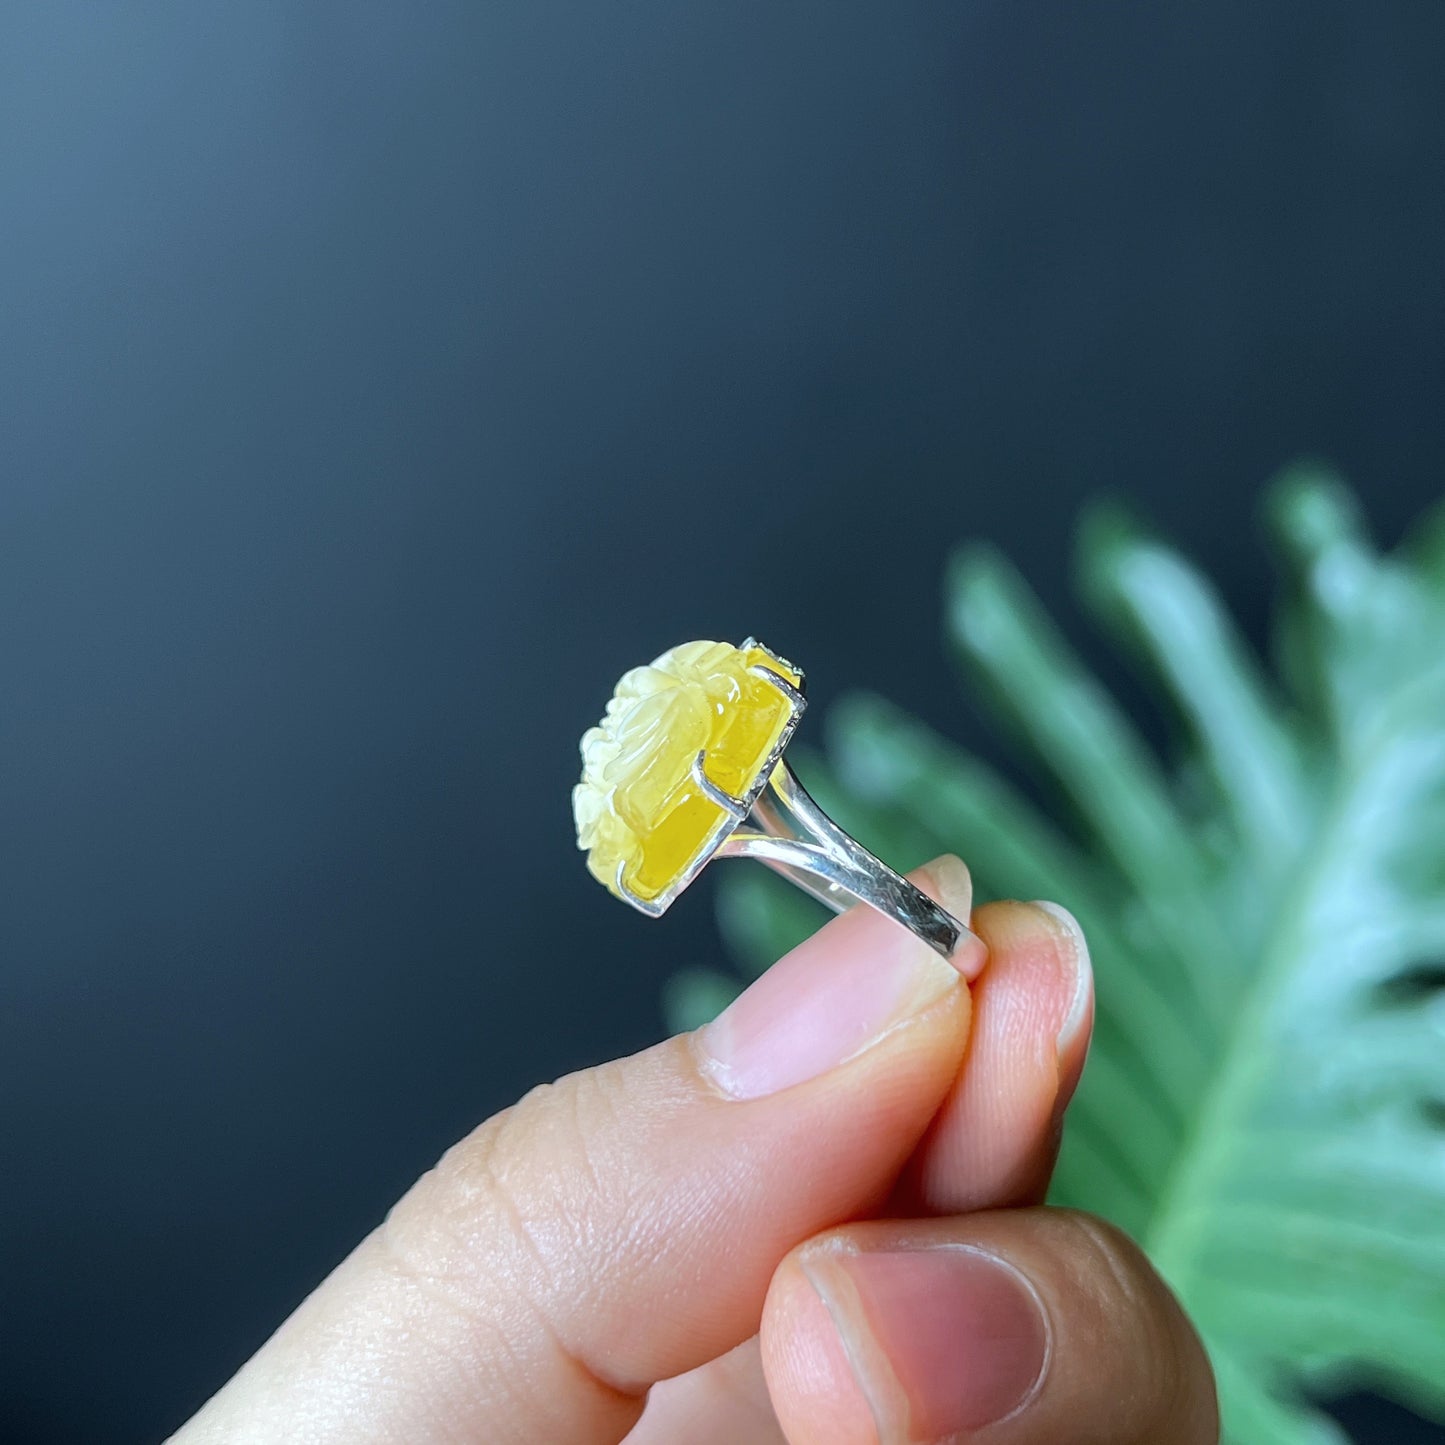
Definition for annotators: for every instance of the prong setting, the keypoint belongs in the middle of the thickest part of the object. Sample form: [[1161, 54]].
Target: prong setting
[[652, 907], [736, 806], [768, 674]]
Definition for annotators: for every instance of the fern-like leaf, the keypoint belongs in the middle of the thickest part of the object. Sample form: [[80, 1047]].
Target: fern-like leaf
[[1264, 1107]]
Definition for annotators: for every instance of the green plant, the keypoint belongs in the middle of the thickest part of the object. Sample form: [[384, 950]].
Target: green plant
[[1264, 1106]]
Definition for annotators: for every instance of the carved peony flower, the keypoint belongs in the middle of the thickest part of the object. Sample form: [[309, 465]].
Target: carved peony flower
[[640, 810]]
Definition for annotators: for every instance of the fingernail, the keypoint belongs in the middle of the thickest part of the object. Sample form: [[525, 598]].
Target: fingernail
[[951, 879], [942, 1339], [1081, 1003], [831, 998]]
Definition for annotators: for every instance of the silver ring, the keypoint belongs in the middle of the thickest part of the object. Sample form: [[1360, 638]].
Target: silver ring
[[687, 766]]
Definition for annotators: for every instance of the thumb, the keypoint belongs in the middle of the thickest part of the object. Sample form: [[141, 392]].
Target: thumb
[[621, 1226]]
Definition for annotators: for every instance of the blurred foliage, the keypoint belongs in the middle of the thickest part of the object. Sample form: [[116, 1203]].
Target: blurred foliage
[[1264, 1105]]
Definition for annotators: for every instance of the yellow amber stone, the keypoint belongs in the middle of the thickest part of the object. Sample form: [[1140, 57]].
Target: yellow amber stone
[[638, 805], [683, 825]]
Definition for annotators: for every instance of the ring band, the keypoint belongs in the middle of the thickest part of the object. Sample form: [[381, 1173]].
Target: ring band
[[799, 841], [689, 752]]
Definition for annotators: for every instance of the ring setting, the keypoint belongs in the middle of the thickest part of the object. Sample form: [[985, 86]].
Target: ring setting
[[687, 765]]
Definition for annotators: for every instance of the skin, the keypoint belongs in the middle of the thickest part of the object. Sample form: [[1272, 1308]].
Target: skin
[[634, 1253]]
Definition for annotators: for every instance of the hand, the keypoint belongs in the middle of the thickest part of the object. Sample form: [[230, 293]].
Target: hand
[[735, 1237]]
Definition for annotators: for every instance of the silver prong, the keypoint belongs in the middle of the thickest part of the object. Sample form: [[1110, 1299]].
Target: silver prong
[[653, 909], [781, 662], [738, 807], [793, 694]]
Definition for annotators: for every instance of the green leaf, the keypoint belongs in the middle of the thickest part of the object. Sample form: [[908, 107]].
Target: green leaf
[[1252, 1413], [1264, 1106]]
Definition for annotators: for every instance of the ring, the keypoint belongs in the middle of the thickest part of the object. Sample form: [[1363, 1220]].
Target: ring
[[687, 765]]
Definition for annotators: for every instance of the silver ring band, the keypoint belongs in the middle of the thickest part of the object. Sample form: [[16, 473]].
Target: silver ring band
[[798, 840]]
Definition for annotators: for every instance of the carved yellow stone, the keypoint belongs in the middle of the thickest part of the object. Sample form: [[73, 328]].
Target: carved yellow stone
[[638, 804]]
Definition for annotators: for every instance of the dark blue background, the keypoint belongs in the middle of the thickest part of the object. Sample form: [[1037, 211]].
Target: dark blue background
[[379, 380]]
